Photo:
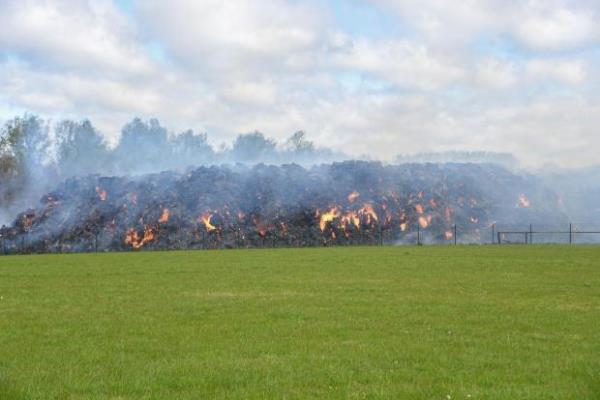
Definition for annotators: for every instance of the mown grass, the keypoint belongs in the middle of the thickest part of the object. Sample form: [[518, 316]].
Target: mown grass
[[481, 322]]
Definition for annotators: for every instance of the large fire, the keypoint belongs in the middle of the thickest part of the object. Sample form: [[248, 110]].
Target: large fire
[[366, 214], [272, 206]]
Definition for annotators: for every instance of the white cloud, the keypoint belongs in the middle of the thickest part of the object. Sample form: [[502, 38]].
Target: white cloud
[[401, 62], [237, 38], [496, 74], [87, 37], [447, 23], [261, 94], [281, 65], [538, 24], [550, 28], [571, 72]]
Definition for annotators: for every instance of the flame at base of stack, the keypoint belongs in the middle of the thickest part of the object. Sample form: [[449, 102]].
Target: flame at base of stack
[[133, 239]]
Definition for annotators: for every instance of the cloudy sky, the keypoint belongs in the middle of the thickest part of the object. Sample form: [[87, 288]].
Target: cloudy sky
[[379, 77]]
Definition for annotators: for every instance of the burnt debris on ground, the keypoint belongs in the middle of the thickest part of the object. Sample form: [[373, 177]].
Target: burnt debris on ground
[[345, 203]]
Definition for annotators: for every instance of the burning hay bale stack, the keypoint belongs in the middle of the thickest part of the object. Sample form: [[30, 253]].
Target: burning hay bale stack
[[347, 203]]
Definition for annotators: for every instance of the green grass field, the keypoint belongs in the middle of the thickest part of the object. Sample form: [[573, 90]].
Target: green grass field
[[480, 322]]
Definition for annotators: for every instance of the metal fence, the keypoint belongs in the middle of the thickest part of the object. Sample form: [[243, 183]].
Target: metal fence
[[571, 233], [498, 233], [466, 234]]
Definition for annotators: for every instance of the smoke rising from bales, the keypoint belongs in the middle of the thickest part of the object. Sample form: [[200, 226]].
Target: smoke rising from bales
[[37, 155]]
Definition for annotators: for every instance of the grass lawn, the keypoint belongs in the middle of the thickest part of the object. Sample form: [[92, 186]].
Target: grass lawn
[[466, 322]]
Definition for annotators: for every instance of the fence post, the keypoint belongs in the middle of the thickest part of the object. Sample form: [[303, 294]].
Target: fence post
[[570, 233], [499, 240], [530, 234], [455, 234], [493, 233], [418, 235]]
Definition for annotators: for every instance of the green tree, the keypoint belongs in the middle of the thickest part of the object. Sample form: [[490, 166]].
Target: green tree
[[25, 156], [191, 149], [80, 148], [144, 147], [298, 144], [253, 147]]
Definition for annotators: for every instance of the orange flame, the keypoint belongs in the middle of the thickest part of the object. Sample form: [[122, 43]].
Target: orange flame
[[448, 235], [205, 219], [419, 209], [327, 217], [133, 239], [102, 195], [260, 227], [350, 218], [353, 196], [368, 212], [403, 226], [423, 222], [164, 218]]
